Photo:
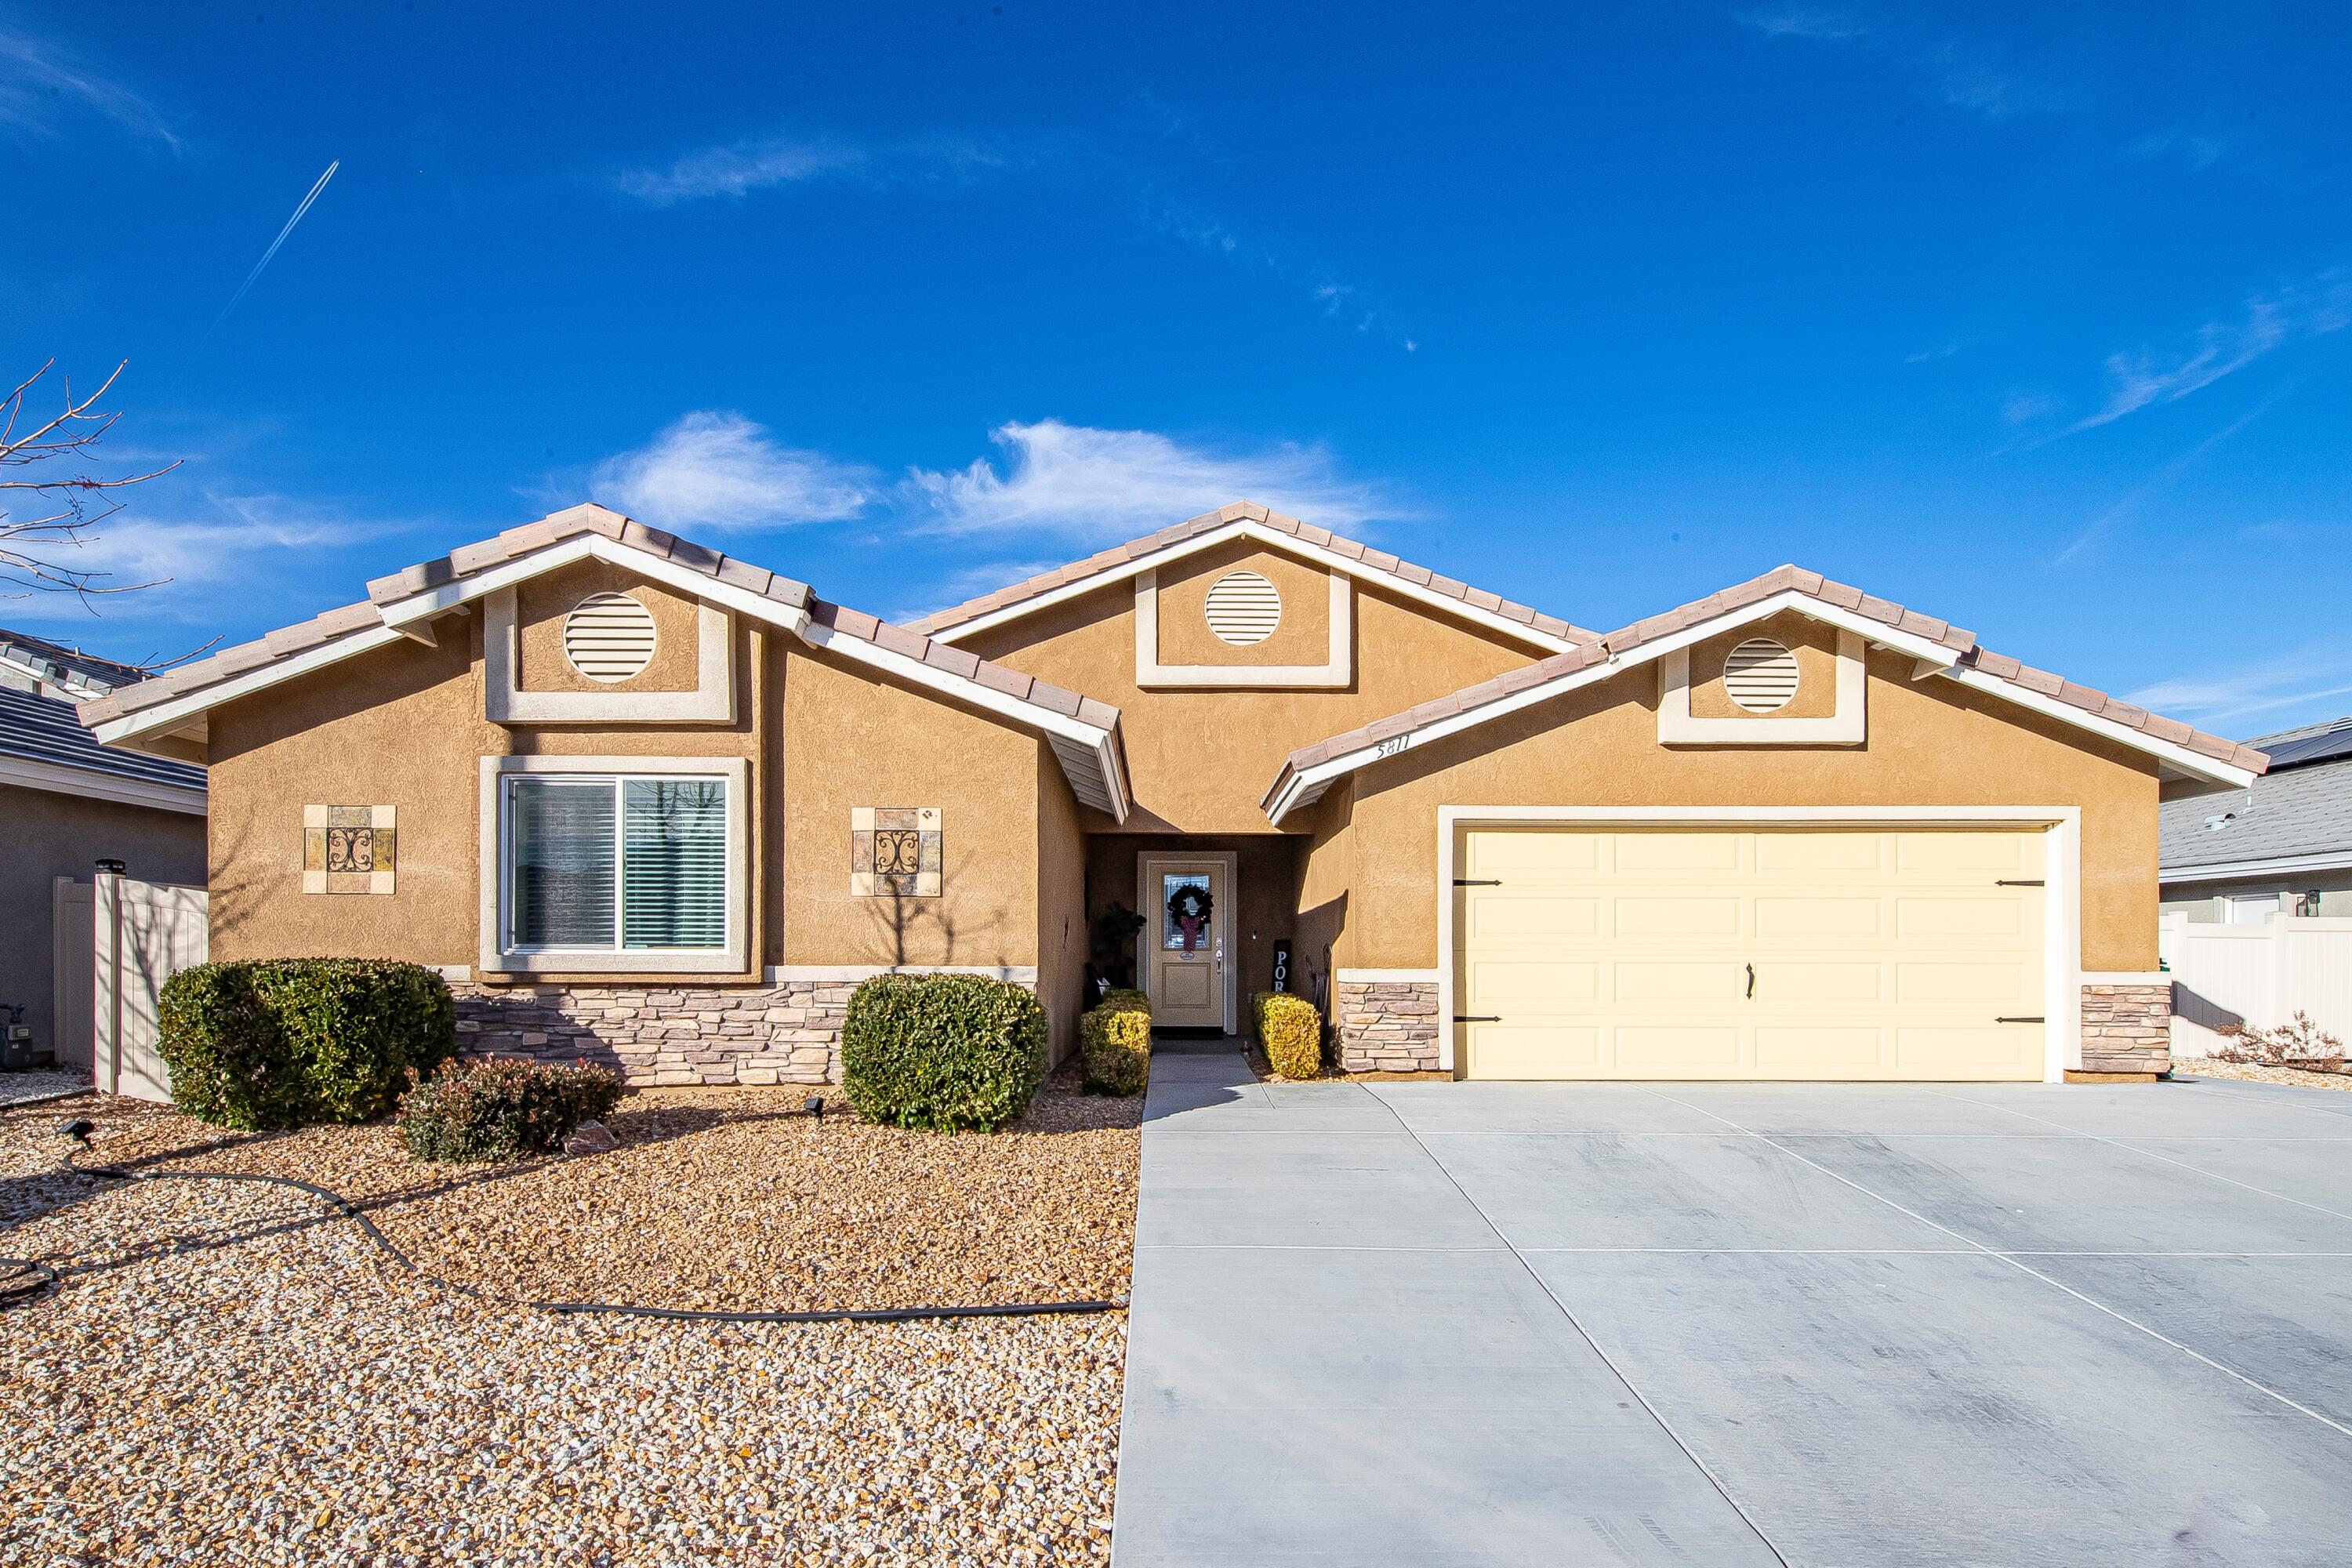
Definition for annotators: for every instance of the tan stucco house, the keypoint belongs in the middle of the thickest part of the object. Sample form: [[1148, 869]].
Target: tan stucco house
[[647, 803]]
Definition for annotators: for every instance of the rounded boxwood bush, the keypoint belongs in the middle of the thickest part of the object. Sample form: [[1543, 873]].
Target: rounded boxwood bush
[[282, 1042], [1291, 1030], [500, 1107], [946, 1052], [1115, 1043]]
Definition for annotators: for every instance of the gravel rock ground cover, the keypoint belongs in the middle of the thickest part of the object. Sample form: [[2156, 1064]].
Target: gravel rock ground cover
[[23, 1086], [2207, 1067], [230, 1375]]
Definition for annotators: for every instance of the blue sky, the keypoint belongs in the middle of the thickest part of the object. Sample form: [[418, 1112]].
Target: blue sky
[[2032, 316]]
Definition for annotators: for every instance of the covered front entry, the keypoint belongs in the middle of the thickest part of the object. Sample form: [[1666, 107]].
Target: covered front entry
[[1187, 960], [1722, 953]]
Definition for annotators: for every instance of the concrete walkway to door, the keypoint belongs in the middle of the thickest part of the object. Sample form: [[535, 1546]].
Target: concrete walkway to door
[[1556, 1323]]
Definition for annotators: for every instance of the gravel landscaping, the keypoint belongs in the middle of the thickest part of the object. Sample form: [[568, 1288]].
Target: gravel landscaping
[[44, 1084], [231, 1373], [2207, 1067]]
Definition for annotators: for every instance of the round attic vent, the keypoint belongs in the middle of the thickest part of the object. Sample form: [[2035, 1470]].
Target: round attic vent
[[609, 637], [1244, 608], [1760, 675]]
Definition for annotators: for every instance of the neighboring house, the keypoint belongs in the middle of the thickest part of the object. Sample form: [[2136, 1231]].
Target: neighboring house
[[2280, 846], [656, 805], [68, 802]]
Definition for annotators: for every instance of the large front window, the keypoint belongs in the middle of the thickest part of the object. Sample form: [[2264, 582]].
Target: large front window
[[616, 864]]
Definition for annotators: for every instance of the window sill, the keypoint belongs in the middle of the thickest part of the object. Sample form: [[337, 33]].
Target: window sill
[[601, 963]]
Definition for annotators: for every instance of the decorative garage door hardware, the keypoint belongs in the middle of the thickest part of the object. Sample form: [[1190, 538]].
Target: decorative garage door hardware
[[1477, 882], [1477, 1017], [22, 1279], [2036, 1019], [2018, 882]]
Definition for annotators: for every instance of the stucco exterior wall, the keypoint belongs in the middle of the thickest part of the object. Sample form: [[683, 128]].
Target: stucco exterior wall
[[1302, 637], [851, 741], [1200, 761], [1930, 744], [50, 836], [1814, 643], [1062, 931], [542, 602]]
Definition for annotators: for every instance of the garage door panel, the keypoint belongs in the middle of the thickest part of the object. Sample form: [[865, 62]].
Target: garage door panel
[[1800, 983], [1811, 854], [1997, 985], [1949, 1052], [1530, 985], [1501, 917], [1963, 916], [1532, 853], [1675, 980], [1716, 854], [1807, 919], [1803, 1052], [1875, 954], [1678, 917], [1678, 1050]]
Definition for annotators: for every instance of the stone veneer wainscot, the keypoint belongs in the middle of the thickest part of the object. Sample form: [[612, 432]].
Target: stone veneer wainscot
[[787, 1032], [1387, 1026], [2128, 1028]]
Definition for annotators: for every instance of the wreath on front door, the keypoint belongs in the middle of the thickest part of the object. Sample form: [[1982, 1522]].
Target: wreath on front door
[[1190, 906]]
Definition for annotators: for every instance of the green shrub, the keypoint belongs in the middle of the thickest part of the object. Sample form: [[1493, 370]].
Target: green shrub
[[1291, 1030], [1115, 1043], [499, 1107], [946, 1052], [286, 1041]]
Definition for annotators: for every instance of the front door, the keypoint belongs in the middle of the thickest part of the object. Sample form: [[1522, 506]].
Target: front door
[[1187, 936]]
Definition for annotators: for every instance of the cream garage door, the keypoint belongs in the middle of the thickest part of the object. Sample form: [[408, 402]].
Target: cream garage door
[[1722, 953]]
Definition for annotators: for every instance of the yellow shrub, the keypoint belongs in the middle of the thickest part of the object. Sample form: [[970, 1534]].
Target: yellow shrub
[[1291, 1030], [1115, 1043]]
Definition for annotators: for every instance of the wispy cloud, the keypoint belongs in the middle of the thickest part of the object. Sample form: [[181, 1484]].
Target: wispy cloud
[[38, 78], [717, 469], [744, 167], [2166, 476], [1352, 304], [2199, 150], [212, 545], [2140, 378], [2307, 675], [2025, 407], [1072, 482], [1952, 72], [968, 582]]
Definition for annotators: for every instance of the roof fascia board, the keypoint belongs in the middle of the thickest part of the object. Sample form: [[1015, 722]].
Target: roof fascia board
[[1095, 739], [61, 778], [448, 597], [2267, 865], [2194, 763], [165, 716], [1273, 538]]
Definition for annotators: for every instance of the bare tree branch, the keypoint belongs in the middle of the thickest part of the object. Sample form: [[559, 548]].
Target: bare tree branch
[[36, 553]]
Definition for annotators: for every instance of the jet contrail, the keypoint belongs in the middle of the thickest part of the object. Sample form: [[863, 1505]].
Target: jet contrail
[[274, 244]]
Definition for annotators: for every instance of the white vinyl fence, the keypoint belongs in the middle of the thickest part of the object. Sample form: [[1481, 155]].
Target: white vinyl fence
[[118, 940], [2259, 975]]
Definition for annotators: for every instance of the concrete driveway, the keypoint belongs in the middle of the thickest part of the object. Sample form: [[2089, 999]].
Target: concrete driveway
[[1738, 1324]]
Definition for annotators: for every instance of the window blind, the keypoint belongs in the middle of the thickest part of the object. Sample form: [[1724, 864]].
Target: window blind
[[674, 852], [564, 863]]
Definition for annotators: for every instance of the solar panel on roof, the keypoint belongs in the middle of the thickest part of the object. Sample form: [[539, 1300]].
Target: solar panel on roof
[[2326, 746]]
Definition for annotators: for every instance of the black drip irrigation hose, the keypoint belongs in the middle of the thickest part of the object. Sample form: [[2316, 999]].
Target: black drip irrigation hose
[[26, 1277]]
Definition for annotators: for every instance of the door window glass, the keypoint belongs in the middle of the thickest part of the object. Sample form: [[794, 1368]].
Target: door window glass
[[1175, 931]]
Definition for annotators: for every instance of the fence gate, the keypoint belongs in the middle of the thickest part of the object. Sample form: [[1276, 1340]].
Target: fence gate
[[2256, 974], [139, 934]]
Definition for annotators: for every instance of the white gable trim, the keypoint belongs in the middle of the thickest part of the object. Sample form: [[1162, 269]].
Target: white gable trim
[[435, 600], [1308, 784], [62, 778], [167, 715], [1273, 538]]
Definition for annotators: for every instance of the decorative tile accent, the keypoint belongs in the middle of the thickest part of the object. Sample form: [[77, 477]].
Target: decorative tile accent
[[348, 848], [895, 851]]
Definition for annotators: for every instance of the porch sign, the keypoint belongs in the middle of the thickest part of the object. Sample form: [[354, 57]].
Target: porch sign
[[1282, 965]]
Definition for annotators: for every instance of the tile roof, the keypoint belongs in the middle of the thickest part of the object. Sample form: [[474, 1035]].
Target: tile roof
[[1135, 550], [54, 661], [44, 729], [468, 561], [2297, 811], [1962, 644], [471, 559]]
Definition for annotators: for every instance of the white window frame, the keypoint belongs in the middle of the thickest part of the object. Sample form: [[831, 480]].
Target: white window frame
[[498, 957]]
